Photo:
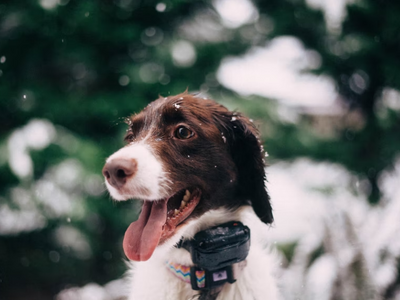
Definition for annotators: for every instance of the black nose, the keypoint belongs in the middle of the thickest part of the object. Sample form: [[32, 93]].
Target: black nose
[[117, 171]]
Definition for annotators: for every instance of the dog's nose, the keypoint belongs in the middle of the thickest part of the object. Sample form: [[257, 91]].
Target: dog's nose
[[117, 171]]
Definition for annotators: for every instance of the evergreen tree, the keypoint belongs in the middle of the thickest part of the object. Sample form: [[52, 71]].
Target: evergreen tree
[[70, 71]]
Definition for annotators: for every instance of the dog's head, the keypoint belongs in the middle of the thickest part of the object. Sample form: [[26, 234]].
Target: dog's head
[[185, 156]]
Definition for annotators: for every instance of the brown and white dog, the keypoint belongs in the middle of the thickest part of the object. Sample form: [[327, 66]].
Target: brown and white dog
[[195, 165]]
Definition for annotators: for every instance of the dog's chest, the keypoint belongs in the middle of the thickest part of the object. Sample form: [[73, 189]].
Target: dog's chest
[[152, 280]]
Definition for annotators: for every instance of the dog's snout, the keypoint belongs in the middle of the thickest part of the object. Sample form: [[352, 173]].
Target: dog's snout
[[117, 171]]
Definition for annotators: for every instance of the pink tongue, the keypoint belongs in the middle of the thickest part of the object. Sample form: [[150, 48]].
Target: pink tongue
[[142, 236]]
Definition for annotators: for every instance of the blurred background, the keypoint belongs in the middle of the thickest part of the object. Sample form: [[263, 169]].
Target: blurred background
[[321, 78]]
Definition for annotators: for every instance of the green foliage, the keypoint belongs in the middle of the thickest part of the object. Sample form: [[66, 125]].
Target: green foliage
[[85, 65], [288, 251]]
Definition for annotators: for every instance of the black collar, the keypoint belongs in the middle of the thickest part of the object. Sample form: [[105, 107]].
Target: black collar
[[216, 252]]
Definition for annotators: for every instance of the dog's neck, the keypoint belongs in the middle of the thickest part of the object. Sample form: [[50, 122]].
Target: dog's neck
[[218, 254], [256, 273], [206, 282], [169, 251]]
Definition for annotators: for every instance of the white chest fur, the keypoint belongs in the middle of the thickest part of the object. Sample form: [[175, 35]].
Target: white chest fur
[[151, 280]]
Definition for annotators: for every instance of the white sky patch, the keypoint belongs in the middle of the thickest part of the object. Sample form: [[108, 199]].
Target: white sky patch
[[48, 4], [56, 202], [390, 99], [389, 181], [37, 134], [19, 159], [13, 222], [161, 7], [277, 71], [68, 174], [183, 54], [58, 191], [235, 13], [334, 12]]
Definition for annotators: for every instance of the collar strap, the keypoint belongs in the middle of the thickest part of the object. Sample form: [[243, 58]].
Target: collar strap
[[188, 274], [206, 279], [217, 253]]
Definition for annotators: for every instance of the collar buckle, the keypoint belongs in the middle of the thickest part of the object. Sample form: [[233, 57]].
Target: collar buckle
[[206, 279]]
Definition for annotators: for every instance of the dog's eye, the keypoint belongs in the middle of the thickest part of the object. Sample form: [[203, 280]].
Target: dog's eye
[[183, 133], [129, 137]]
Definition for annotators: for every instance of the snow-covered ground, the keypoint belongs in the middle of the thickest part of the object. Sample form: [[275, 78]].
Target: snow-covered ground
[[345, 249]]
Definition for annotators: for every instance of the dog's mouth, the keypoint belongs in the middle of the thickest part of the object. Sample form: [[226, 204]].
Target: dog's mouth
[[157, 222]]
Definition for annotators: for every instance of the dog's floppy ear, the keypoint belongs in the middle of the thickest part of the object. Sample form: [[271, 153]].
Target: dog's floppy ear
[[248, 155]]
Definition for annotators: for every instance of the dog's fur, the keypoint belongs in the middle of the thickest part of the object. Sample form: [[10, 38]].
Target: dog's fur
[[220, 156]]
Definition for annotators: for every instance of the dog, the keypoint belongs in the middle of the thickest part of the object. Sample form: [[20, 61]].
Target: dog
[[194, 164]]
